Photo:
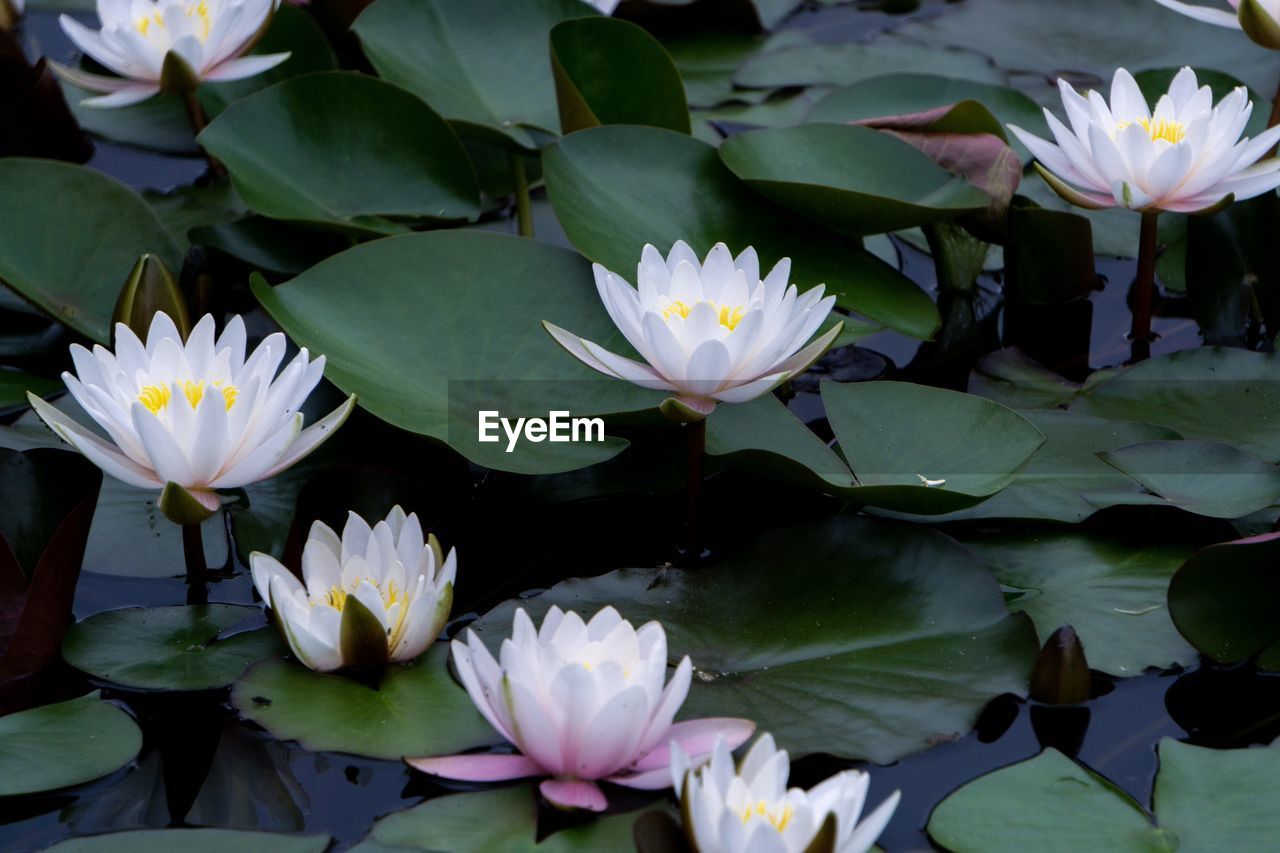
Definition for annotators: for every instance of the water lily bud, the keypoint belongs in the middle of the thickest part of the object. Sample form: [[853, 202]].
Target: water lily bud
[[376, 595], [150, 288], [710, 331], [1061, 672], [749, 807], [583, 702], [1258, 18], [195, 414]]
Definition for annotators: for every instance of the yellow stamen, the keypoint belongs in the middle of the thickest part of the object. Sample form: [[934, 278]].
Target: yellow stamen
[[778, 817], [156, 397], [1169, 131], [728, 315]]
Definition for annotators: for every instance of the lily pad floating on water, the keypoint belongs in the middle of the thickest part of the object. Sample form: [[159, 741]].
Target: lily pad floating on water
[[1112, 591], [852, 179], [71, 236], [913, 639], [170, 648], [194, 841], [345, 150], [56, 746], [1205, 800], [1224, 600], [416, 709], [1204, 477], [926, 450], [464, 823], [610, 71], [478, 280], [485, 65]]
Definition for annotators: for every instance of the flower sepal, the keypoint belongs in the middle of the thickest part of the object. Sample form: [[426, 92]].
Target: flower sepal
[[824, 841], [150, 289], [177, 77], [361, 637], [1258, 24], [686, 410], [187, 507]]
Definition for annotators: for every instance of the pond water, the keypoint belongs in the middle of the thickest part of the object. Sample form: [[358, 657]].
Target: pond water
[[183, 780]]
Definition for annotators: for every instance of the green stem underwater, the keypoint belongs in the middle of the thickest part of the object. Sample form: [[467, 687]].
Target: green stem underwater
[[197, 571], [524, 206], [1144, 288], [693, 546]]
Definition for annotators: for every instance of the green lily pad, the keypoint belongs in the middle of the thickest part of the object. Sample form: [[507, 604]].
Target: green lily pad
[[1011, 377], [852, 179], [14, 385], [505, 285], [1204, 477], [898, 435], [346, 150], [1088, 38], [194, 841], [903, 94], [610, 71], [1210, 393], [1205, 800], [71, 236], [707, 60], [1113, 592], [763, 435], [416, 709], [484, 64], [846, 63], [1224, 600], [55, 746], [1065, 480], [912, 641], [464, 823], [617, 188], [170, 648]]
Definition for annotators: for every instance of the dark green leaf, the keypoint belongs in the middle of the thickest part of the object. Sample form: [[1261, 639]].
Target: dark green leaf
[[65, 744]]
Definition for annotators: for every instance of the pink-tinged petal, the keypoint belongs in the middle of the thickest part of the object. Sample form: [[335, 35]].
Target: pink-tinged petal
[[482, 767], [573, 794], [697, 738], [245, 66]]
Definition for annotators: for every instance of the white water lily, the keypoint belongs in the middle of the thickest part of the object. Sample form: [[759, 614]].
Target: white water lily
[[712, 331], [583, 702], [197, 40], [1260, 19], [605, 7], [749, 808], [404, 581], [196, 414], [1185, 156]]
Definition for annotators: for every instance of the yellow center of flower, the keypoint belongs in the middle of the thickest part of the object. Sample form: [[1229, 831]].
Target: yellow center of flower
[[728, 315], [194, 10], [1169, 131], [156, 397], [778, 816], [336, 597]]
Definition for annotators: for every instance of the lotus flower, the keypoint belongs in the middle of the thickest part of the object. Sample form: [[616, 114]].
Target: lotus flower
[[172, 45], [1186, 156], [583, 702], [197, 415], [1260, 19], [751, 808], [371, 597], [711, 332]]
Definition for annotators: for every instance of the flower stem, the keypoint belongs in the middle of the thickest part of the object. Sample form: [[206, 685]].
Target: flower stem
[[197, 571], [1144, 289], [693, 492], [524, 207], [199, 121]]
